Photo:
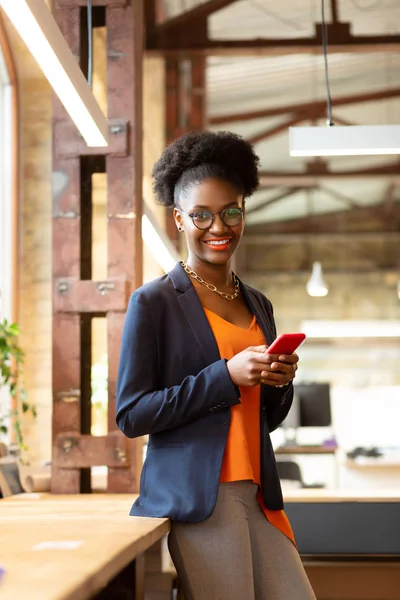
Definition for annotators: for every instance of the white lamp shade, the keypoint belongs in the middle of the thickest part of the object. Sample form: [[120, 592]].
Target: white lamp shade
[[341, 141], [316, 285]]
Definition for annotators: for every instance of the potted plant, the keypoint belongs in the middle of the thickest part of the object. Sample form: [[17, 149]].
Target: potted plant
[[11, 361]]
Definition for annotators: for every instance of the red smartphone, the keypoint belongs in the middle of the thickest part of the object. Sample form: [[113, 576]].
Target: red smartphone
[[286, 343]]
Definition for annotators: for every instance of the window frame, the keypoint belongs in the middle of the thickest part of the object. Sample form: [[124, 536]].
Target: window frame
[[9, 186], [9, 171]]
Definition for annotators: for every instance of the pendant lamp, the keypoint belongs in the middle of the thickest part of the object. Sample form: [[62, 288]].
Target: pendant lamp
[[342, 141], [316, 285]]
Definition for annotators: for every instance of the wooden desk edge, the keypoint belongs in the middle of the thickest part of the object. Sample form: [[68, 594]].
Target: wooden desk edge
[[336, 498], [98, 578], [118, 562], [305, 450], [351, 560]]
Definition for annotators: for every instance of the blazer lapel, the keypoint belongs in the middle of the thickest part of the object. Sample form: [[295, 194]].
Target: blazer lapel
[[194, 314], [198, 321], [257, 310], [267, 329]]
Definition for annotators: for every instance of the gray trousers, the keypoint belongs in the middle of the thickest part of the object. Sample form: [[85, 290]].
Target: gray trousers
[[237, 554]]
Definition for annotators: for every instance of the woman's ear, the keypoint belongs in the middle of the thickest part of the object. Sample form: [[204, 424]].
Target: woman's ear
[[178, 219]]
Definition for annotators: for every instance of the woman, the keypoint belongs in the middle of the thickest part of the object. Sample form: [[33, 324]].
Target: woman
[[195, 375]]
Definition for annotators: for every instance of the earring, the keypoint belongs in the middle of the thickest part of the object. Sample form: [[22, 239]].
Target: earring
[[180, 229]]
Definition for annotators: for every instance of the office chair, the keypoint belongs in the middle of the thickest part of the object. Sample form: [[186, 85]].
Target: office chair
[[290, 471]]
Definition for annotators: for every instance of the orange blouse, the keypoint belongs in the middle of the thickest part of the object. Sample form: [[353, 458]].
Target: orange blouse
[[242, 458]]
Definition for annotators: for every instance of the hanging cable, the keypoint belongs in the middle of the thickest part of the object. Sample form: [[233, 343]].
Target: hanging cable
[[325, 47], [90, 42]]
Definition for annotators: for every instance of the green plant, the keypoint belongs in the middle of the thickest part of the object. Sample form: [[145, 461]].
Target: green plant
[[11, 361]]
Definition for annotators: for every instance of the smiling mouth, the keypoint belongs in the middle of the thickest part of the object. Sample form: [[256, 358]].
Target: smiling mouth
[[222, 244]]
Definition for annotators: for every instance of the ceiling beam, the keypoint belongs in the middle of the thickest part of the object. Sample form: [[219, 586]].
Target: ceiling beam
[[295, 120], [311, 108], [251, 239], [341, 197], [191, 17], [272, 131], [285, 194], [314, 175], [363, 219], [280, 179], [161, 44]]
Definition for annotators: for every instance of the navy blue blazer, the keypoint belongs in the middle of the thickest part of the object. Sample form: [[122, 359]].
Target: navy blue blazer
[[173, 385]]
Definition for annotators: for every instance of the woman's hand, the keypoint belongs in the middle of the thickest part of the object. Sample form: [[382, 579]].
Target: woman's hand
[[254, 366], [281, 369]]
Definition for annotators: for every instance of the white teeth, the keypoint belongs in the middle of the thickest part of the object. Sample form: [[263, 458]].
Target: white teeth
[[219, 243]]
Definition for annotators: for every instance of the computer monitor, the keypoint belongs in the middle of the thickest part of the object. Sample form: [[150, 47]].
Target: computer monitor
[[315, 404], [311, 406]]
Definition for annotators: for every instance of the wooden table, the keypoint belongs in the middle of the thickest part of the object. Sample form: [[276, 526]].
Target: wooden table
[[305, 450], [71, 547]]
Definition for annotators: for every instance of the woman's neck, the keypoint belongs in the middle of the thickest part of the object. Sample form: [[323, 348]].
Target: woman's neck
[[218, 275]]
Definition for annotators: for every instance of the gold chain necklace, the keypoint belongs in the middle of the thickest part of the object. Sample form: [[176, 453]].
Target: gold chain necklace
[[211, 286]]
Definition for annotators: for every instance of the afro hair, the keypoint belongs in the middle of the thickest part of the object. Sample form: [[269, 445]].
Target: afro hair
[[195, 157]]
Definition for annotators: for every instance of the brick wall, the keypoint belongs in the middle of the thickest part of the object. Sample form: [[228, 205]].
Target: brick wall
[[35, 257]]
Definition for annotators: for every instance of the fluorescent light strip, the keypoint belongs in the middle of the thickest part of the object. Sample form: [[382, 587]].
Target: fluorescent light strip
[[40, 32], [158, 242], [344, 141], [351, 329]]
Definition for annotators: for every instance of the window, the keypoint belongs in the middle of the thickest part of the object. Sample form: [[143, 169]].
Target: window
[[8, 188], [7, 167]]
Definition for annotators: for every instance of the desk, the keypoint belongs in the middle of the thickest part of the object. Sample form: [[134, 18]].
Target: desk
[[312, 451], [71, 547], [349, 542], [380, 463], [325, 495], [305, 450]]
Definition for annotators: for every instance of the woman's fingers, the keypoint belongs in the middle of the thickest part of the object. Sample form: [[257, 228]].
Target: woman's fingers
[[278, 369], [277, 378], [283, 367]]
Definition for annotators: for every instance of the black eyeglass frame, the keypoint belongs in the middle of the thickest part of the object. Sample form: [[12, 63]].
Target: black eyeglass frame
[[192, 215]]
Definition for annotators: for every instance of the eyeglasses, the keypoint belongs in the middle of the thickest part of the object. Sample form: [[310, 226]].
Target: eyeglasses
[[203, 219]]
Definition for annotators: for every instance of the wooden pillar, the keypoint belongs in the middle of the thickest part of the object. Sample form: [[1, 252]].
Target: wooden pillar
[[185, 105], [197, 114], [125, 34], [185, 96], [77, 299]]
